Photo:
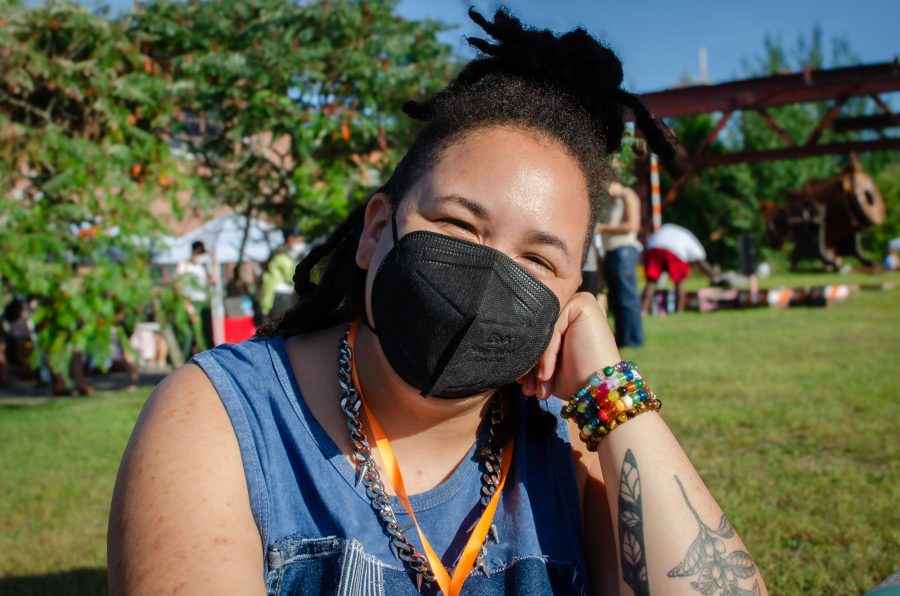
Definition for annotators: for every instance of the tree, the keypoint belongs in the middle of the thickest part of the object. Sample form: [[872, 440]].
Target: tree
[[300, 100], [288, 109], [81, 158]]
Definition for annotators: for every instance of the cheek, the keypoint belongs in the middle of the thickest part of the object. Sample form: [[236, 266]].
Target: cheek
[[565, 289]]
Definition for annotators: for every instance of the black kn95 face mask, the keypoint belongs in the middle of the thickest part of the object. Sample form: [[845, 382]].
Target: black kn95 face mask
[[455, 318]]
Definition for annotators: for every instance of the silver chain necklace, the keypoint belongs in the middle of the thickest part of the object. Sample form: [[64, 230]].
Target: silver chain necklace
[[367, 473]]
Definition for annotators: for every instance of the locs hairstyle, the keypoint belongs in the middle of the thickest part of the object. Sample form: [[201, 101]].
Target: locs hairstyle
[[564, 87]]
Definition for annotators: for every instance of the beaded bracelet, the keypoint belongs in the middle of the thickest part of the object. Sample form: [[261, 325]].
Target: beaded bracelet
[[610, 398]]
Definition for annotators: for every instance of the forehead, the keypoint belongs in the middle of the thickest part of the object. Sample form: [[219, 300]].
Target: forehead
[[523, 178]]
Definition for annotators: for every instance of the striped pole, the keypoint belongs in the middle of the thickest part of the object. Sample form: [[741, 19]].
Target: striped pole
[[655, 199]]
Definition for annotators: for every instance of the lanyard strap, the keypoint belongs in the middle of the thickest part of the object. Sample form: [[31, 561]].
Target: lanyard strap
[[449, 586]]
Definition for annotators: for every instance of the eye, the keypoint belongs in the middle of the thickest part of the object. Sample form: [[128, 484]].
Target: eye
[[539, 263], [463, 225]]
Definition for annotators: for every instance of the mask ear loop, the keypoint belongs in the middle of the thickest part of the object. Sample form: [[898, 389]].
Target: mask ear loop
[[394, 228], [365, 319]]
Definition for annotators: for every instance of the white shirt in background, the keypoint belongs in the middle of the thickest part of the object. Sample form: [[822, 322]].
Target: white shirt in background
[[679, 241], [195, 276]]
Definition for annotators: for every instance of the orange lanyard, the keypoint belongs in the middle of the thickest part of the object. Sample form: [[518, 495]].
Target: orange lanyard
[[449, 586]]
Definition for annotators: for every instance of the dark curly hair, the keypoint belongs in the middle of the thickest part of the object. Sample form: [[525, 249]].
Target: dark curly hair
[[564, 87]]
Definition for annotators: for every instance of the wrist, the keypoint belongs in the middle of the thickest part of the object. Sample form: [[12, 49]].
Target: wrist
[[611, 397]]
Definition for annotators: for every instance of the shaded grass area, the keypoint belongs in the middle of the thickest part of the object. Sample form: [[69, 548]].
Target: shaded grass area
[[790, 416]]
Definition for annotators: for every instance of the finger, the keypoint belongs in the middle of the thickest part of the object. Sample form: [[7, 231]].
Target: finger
[[527, 382], [547, 364], [545, 389]]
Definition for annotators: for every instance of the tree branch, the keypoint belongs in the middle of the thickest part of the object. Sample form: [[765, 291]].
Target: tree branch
[[26, 106]]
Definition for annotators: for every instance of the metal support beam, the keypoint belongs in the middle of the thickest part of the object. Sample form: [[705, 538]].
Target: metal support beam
[[873, 122], [714, 133], [881, 105], [778, 90], [676, 188], [826, 121], [707, 161], [776, 128]]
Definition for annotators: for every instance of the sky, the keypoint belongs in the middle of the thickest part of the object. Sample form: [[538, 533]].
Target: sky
[[659, 40]]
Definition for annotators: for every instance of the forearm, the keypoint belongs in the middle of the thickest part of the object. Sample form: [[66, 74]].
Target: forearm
[[671, 535]]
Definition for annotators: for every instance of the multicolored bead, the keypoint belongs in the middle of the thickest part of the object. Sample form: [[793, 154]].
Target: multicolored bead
[[609, 400]]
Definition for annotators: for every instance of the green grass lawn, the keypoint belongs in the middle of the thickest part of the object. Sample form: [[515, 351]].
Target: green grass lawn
[[790, 416]]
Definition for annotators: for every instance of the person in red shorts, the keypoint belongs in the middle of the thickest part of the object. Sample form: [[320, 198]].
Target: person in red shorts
[[673, 248]]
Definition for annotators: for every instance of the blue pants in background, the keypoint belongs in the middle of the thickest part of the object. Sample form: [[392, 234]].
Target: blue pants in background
[[620, 270]]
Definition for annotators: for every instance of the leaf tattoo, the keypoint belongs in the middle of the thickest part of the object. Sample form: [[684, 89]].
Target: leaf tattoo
[[716, 572], [631, 528], [631, 550]]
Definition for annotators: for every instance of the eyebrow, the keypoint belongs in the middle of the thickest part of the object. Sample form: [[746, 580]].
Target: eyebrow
[[477, 209], [549, 239]]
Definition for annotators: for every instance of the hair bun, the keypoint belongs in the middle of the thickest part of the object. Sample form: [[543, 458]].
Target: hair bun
[[575, 62]]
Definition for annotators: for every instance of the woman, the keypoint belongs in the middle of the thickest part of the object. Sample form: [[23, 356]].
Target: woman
[[264, 466], [621, 248]]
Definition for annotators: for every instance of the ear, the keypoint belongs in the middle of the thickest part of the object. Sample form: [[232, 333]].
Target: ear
[[376, 220]]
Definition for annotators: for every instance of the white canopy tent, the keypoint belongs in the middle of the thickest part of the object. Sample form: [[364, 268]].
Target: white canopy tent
[[222, 238]]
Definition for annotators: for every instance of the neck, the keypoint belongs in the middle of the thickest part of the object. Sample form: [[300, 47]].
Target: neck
[[403, 412]]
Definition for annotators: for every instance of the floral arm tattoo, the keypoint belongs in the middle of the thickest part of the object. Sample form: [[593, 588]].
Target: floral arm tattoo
[[716, 571], [631, 528]]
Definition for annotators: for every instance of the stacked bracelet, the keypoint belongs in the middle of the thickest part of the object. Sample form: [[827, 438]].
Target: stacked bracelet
[[610, 398]]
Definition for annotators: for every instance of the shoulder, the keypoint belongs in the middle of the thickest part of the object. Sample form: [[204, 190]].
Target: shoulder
[[181, 495], [630, 196], [238, 359]]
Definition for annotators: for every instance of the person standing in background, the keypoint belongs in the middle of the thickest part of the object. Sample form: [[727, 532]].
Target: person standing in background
[[195, 279], [621, 249], [278, 279], [591, 280]]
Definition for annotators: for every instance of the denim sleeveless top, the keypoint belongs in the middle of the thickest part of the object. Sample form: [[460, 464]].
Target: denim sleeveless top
[[320, 533]]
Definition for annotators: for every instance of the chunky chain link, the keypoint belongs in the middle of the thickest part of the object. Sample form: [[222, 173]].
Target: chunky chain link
[[367, 472]]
